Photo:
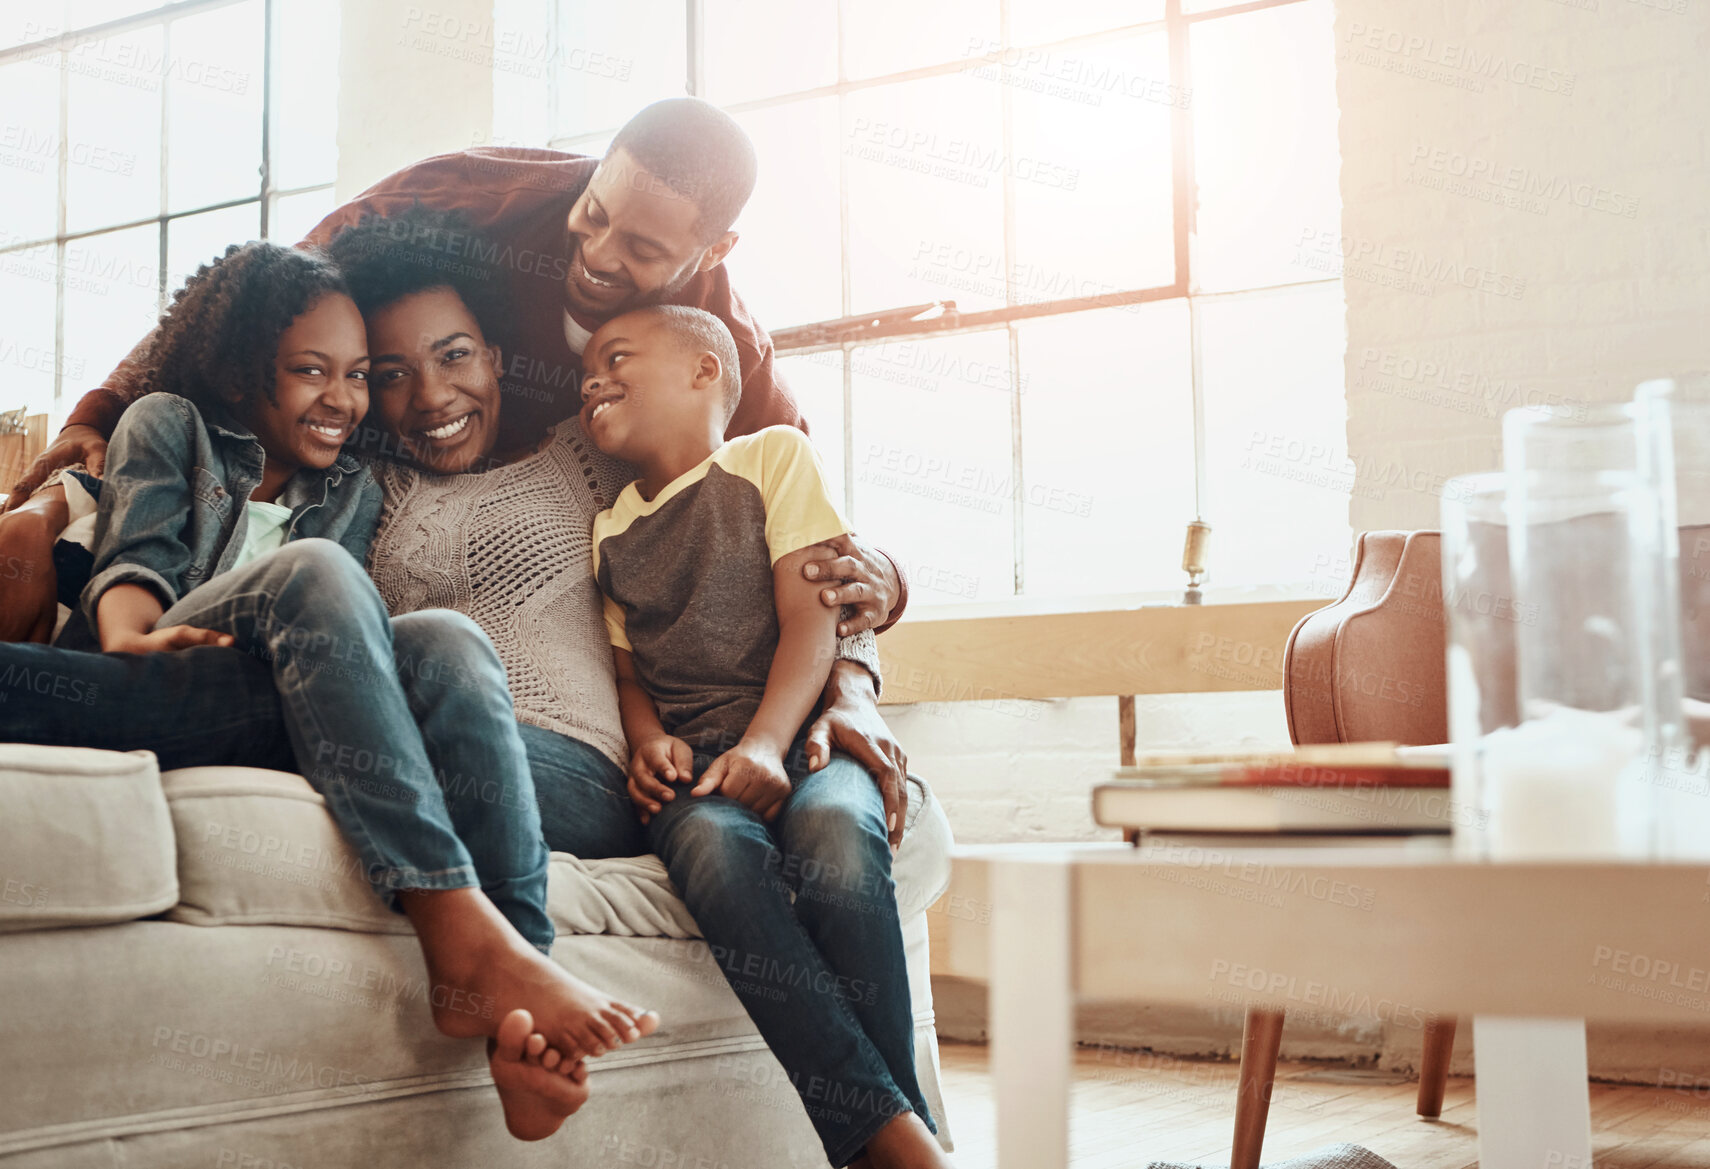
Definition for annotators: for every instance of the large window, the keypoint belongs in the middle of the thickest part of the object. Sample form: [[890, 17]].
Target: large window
[[1124, 199], [136, 141]]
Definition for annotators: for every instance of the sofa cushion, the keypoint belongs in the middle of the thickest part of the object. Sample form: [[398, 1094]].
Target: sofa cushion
[[85, 838], [258, 847], [193, 1030]]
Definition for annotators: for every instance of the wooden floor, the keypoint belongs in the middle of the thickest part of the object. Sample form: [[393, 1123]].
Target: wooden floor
[[1132, 1108]]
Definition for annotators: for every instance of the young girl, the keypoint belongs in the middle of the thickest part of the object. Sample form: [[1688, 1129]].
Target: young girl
[[231, 515]]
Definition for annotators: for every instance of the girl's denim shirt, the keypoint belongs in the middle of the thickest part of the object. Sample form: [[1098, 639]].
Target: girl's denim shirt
[[173, 508]]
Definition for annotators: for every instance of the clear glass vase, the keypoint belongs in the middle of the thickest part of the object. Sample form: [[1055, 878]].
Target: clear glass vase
[[1675, 413], [1597, 662], [1482, 611]]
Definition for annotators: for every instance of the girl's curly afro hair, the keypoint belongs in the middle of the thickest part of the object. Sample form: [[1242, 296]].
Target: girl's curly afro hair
[[220, 336]]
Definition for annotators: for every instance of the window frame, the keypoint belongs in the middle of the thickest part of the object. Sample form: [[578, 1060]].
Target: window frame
[[265, 197], [853, 331]]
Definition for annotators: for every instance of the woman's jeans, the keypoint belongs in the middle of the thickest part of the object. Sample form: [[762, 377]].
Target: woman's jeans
[[404, 724], [801, 915]]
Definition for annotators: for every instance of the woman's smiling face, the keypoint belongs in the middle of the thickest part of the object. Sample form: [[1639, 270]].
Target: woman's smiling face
[[434, 380]]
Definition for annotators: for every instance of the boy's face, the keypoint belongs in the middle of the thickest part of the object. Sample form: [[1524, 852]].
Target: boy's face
[[642, 387], [320, 386], [435, 380]]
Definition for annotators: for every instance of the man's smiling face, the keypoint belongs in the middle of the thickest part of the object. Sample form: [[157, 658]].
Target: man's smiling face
[[434, 380], [633, 241]]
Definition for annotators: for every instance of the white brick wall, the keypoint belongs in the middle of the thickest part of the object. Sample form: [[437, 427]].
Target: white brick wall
[[1533, 295], [1024, 771]]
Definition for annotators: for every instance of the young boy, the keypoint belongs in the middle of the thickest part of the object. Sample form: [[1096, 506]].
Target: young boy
[[722, 651], [722, 646]]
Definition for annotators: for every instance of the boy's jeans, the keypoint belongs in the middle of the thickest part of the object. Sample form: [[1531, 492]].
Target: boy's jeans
[[404, 724], [824, 976]]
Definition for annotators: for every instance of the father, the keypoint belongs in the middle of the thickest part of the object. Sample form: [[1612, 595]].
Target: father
[[580, 240]]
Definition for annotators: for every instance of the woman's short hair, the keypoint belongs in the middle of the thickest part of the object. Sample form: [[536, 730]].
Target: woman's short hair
[[385, 258]]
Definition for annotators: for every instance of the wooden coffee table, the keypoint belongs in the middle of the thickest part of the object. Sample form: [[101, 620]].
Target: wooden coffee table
[[1528, 951]]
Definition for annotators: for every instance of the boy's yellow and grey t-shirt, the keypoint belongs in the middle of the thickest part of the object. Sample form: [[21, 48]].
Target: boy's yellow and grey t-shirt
[[687, 577]]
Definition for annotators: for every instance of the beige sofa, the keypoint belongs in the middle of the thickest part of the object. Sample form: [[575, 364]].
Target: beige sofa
[[194, 973]]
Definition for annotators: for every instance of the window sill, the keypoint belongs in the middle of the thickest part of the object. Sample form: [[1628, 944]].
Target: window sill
[[1028, 648]]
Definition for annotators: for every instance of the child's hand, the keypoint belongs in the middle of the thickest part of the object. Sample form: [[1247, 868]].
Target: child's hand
[[169, 638], [654, 763], [750, 773]]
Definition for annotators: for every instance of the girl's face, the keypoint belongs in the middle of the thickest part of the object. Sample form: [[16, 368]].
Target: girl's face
[[320, 386]]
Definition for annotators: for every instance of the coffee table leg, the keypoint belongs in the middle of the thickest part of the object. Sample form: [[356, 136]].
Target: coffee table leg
[[1534, 1102], [1032, 1012]]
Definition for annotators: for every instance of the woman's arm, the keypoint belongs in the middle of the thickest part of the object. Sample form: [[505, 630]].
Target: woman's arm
[[28, 585], [83, 438]]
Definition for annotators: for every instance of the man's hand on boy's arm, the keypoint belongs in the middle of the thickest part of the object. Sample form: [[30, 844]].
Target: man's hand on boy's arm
[[849, 721], [125, 618], [866, 579]]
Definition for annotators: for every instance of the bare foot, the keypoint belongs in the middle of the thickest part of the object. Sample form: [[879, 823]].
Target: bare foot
[[905, 1143], [537, 1052], [480, 970], [536, 1099]]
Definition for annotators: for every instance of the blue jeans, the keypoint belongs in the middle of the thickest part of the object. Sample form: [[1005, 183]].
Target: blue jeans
[[584, 806], [403, 724], [801, 915]]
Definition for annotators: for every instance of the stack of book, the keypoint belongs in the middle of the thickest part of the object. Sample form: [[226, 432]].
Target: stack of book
[[1355, 789]]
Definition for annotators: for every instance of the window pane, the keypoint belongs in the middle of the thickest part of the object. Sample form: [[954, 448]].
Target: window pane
[[1034, 21], [760, 48], [24, 24], [305, 93], [83, 13], [1276, 449], [213, 106], [616, 58], [888, 36], [195, 240], [816, 379], [1091, 167], [30, 146], [26, 336], [522, 93], [293, 216], [1107, 449], [111, 300], [934, 483], [925, 203], [788, 264], [1265, 153], [114, 97]]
